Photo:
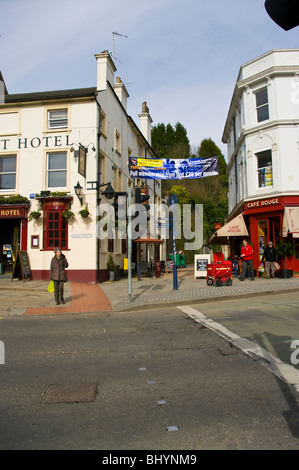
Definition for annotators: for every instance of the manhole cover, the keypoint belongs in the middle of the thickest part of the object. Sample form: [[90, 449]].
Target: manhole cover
[[70, 393]]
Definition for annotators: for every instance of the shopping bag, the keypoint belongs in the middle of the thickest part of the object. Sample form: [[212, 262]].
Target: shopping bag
[[51, 287], [261, 268], [276, 266]]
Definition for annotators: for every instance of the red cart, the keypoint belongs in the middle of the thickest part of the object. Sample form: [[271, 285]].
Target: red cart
[[220, 272]]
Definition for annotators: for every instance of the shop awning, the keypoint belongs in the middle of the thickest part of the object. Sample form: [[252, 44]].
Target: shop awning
[[149, 240], [234, 228], [291, 222]]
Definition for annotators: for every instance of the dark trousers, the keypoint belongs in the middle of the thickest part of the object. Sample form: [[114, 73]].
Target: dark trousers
[[58, 290], [247, 264]]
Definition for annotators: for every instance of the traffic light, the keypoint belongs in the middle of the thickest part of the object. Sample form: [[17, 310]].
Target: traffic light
[[285, 13]]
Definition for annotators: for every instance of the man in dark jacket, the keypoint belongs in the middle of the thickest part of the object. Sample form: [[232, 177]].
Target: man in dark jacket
[[269, 257], [57, 274]]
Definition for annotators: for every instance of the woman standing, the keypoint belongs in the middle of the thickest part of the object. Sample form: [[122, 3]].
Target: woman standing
[[57, 274]]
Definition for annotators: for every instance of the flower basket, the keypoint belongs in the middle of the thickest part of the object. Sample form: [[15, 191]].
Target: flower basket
[[34, 215], [84, 213], [67, 214]]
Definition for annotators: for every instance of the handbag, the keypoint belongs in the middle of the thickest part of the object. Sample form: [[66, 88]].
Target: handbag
[[51, 286]]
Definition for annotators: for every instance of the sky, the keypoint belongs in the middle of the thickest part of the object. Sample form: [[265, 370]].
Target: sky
[[180, 56]]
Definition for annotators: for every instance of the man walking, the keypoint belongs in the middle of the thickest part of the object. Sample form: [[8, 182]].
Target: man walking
[[246, 257], [269, 257]]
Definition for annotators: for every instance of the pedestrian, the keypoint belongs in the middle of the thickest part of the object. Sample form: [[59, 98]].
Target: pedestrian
[[269, 258], [246, 257], [57, 274], [235, 263]]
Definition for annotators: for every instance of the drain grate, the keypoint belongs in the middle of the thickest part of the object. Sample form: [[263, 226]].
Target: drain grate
[[70, 393]]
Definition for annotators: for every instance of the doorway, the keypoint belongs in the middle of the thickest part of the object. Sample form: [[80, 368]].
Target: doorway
[[9, 244]]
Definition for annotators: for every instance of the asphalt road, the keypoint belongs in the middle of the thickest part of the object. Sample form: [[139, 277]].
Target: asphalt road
[[163, 381]]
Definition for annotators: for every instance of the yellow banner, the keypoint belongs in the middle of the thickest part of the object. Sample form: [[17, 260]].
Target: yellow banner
[[151, 162]]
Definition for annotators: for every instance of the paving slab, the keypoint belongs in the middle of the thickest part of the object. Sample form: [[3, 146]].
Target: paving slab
[[31, 297]]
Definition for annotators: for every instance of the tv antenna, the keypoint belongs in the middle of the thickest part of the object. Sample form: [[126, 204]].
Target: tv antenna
[[116, 34]]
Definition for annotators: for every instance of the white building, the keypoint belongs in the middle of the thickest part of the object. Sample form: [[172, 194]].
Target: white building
[[262, 135], [50, 142]]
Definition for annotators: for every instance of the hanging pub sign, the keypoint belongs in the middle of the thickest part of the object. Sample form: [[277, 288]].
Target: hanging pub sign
[[82, 161], [165, 169]]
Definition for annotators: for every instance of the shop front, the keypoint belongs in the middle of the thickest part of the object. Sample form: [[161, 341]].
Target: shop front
[[13, 235], [266, 219]]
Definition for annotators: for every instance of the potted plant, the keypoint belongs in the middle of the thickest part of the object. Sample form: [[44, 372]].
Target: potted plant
[[67, 214], [84, 213], [111, 268], [34, 215], [285, 248]]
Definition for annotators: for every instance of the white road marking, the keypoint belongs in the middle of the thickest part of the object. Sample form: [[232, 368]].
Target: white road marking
[[282, 370]]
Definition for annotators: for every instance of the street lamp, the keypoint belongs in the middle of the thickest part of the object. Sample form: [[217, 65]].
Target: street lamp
[[78, 191]]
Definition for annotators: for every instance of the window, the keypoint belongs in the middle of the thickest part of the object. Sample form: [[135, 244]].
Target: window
[[56, 170], [262, 106], [264, 166], [9, 123], [117, 142], [55, 234], [8, 167], [57, 119], [103, 123]]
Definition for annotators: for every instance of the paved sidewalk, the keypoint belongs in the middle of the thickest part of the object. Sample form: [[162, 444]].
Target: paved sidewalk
[[31, 297]]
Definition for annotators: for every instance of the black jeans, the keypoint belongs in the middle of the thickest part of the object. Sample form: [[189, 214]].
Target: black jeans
[[247, 264], [58, 290]]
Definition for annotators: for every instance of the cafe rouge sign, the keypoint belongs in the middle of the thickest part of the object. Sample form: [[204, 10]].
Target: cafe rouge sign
[[16, 143], [263, 203]]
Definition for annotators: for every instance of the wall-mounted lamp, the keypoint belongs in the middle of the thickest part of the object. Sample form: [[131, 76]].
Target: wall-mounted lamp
[[78, 191]]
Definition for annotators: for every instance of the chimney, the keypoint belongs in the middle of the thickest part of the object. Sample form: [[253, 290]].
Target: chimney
[[145, 123], [121, 92], [105, 70]]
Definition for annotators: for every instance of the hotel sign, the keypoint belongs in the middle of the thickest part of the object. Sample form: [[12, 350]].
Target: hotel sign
[[263, 203], [17, 143], [11, 212]]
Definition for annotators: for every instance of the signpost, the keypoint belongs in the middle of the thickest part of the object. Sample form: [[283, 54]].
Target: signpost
[[173, 199]]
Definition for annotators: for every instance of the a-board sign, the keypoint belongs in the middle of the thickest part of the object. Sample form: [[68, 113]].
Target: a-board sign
[[200, 265], [22, 267]]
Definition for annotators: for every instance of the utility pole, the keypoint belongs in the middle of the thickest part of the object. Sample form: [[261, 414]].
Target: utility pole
[[129, 245]]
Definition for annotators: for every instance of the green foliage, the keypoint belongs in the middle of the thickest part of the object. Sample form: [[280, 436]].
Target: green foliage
[[110, 263], [16, 199], [84, 212], [67, 214], [170, 142], [285, 248], [34, 215]]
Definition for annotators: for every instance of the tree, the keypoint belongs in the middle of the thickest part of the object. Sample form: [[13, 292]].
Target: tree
[[169, 142]]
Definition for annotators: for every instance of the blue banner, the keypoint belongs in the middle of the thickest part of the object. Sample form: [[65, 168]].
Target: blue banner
[[169, 169]]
